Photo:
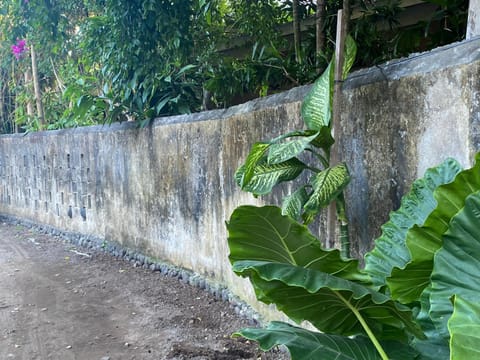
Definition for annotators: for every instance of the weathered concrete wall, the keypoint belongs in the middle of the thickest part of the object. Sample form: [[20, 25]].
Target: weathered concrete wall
[[473, 25], [401, 118], [167, 190]]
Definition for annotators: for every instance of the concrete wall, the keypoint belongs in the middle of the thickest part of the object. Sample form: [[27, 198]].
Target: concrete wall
[[166, 190], [402, 118]]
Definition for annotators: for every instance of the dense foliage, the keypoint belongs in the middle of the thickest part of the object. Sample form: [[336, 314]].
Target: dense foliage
[[103, 60], [416, 297]]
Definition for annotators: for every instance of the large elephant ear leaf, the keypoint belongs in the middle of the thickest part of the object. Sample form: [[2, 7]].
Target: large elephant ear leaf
[[264, 234], [331, 304], [406, 284], [307, 345], [390, 248], [456, 266], [464, 327], [317, 108], [327, 185]]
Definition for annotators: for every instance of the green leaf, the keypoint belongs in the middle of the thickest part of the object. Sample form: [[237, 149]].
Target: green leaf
[[407, 284], [327, 185], [292, 204], [324, 140], [350, 54], [186, 68], [264, 234], [390, 248], [457, 264], [316, 108], [281, 152], [464, 327], [434, 347], [256, 154], [308, 345], [330, 303], [265, 176]]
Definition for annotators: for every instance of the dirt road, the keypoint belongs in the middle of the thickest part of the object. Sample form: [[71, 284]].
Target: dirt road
[[61, 302]]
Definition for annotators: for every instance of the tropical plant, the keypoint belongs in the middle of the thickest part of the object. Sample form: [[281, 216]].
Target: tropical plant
[[416, 297], [278, 160]]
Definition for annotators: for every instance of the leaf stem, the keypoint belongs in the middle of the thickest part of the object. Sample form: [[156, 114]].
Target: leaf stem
[[365, 326], [321, 158], [342, 218]]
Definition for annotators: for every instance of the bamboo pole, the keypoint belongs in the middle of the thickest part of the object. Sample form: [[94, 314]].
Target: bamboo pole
[[36, 87], [28, 83], [335, 155]]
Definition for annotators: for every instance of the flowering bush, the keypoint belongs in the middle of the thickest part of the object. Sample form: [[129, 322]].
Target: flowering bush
[[19, 48]]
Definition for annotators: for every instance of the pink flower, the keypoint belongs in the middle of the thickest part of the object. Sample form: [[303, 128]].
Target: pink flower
[[19, 48]]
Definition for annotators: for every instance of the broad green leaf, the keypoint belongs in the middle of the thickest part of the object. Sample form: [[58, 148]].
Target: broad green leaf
[[457, 264], [264, 234], [390, 249], [331, 304], [316, 108], [434, 347], [265, 176], [323, 140], [257, 152], [350, 54], [281, 152], [407, 284], [308, 345], [293, 204], [464, 327], [326, 186]]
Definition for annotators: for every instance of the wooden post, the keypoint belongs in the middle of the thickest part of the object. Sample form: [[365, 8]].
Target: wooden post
[[335, 156], [36, 87]]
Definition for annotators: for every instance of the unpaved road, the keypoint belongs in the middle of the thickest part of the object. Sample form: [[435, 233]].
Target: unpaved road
[[60, 302]]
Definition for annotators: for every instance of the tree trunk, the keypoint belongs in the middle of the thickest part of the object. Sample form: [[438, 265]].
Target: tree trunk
[[36, 87], [346, 16], [320, 35], [296, 31]]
